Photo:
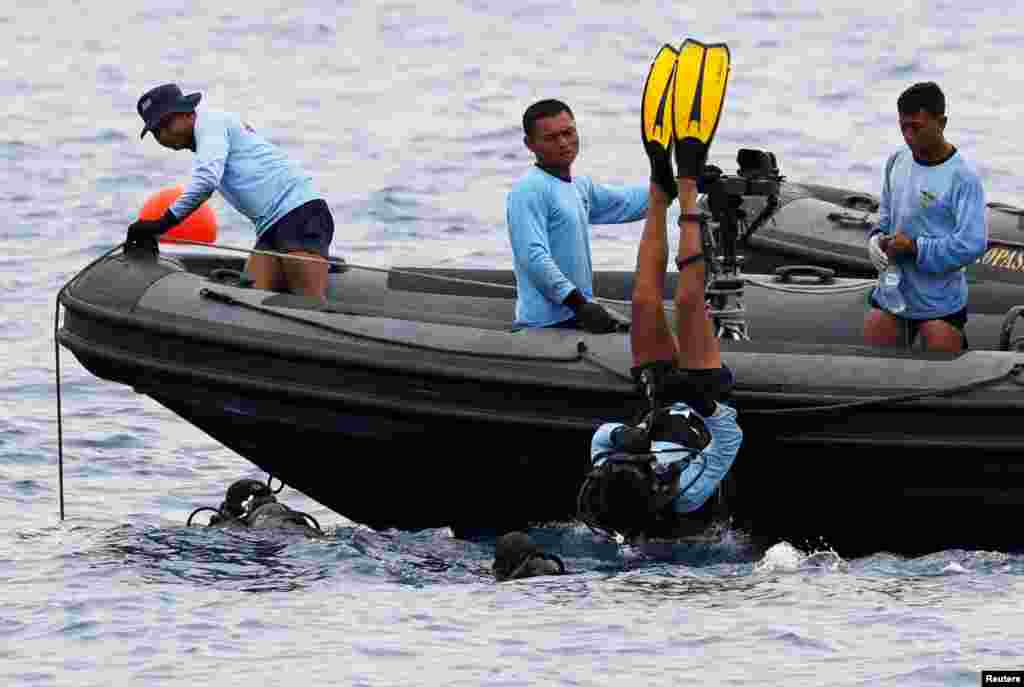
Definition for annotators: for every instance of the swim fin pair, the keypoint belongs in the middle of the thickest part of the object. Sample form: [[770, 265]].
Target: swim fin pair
[[682, 103]]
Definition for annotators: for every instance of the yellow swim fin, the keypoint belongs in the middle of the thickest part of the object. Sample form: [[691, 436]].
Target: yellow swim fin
[[656, 117], [702, 73], [656, 108]]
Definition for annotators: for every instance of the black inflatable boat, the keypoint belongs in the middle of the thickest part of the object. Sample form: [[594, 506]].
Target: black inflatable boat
[[410, 401], [829, 227]]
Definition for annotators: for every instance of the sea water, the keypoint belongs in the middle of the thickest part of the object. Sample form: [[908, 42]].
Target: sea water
[[407, 115]]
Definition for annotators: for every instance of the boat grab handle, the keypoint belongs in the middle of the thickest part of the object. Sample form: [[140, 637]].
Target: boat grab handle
[[1008, 209], [848, 219], [857, 201], [1005, 342], [785, 274]]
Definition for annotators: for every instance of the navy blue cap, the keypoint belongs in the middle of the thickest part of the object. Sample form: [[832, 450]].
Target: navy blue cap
[[161, 101]]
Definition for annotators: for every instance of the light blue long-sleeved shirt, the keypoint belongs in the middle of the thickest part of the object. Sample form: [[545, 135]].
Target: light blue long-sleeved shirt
[[706, 471], [549, 225], [252, 174], [942, 207]]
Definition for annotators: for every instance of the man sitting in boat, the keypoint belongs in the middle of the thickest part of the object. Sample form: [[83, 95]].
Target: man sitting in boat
[[931, 225], [255, 177], [549, 212], [645, 477]]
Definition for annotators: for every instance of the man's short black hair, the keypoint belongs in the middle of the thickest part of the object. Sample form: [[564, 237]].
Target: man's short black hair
[[925, 96], [541, 109]]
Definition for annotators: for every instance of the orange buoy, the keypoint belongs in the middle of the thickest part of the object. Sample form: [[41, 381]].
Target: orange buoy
[[201, 225]]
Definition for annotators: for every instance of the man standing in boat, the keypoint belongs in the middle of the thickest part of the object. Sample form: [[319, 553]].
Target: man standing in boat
[[931, 225], [647, 476], [549, 213], [255, 177]]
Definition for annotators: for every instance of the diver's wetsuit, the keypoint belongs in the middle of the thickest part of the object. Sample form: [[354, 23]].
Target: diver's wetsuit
[[705, 472]]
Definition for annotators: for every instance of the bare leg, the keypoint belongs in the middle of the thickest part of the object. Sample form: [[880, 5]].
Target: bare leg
[[266, 272], [941, 336], [306, 277], [883, 329], [697, 344], [649, 335]]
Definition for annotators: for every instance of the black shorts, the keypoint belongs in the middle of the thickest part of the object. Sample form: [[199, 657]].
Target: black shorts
[[698, 388], [309, 227], [957, 319]]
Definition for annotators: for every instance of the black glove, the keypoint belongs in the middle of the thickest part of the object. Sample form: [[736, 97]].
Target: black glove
[[631, 439], [589, 315], [595, 319], [146, 230]]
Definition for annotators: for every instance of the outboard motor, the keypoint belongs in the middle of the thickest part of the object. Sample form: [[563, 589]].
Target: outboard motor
[[758, 175]]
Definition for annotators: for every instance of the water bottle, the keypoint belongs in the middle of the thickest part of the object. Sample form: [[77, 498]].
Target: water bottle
[[888, 294]]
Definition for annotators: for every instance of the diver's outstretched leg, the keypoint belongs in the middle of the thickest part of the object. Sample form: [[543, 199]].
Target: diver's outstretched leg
[[649, 336], [697, 346]]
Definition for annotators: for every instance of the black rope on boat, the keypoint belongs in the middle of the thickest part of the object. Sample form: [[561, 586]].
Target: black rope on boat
[[1014, 375], [227, 299], [60, 415], [56, 372], [380, 270], [762, 218]]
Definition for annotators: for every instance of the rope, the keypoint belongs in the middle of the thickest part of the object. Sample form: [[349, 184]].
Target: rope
[[904, 398], [343, 263], [230, 300], [60, 422], [56, 372], [1013, 375], [835, 290]]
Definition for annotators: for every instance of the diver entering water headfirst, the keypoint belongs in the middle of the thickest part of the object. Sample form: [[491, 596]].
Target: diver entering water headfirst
[[646, 476]]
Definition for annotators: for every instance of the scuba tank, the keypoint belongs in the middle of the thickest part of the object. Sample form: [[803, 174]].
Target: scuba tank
[[250, 503], [630, 492]]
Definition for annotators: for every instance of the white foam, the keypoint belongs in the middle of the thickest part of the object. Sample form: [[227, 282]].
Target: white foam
[[781, 556]]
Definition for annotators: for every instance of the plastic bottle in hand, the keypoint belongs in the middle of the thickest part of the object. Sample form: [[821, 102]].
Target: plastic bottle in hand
[[888, 294]]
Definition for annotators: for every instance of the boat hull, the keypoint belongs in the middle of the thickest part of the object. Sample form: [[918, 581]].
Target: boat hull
[[454, 419]]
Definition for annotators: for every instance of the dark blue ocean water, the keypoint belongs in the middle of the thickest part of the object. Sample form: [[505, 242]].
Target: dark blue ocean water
[[407, 115]]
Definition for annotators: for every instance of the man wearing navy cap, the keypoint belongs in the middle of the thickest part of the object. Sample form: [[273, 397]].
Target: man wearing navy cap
[[255, 177]]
